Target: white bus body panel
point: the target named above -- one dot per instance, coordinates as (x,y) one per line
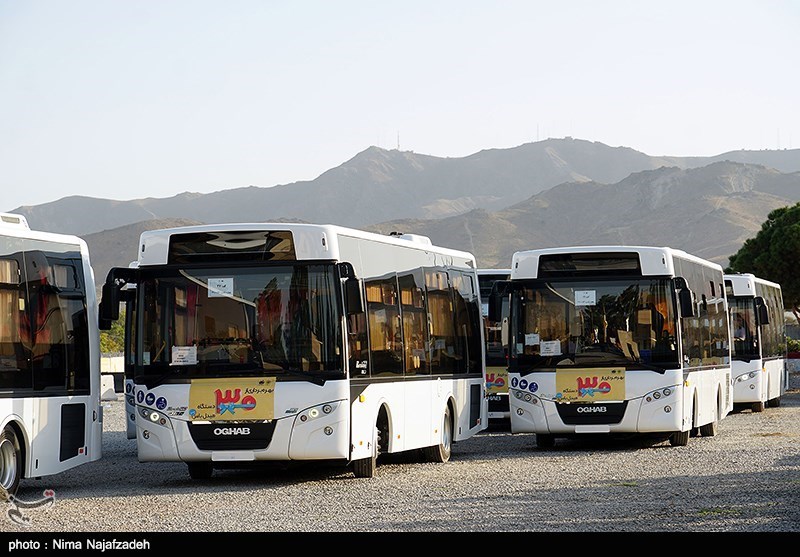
(292,439)
(537,412)
(39,418)
(540,413)
(532,402)
(325,436)
(772,380)
(769,382)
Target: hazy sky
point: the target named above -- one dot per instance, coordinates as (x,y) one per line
(150,98)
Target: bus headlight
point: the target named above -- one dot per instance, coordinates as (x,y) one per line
(317,411)
(154,417)
(656,395)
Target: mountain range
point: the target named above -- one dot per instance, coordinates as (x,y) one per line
(555,192)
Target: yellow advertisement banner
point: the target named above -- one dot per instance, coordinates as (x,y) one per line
(496,380)
(218,400)
(590,385)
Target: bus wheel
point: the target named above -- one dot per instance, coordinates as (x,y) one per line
(365,467)
(710,429)
(200,470)
(774,403)
(10,461)
(441,452)
(545,440)
(757,406)
(679,439)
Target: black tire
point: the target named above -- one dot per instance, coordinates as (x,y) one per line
(441,452)
(679,439)
(774,403)
(366,467)
(757,406)
(200,470)
(545,440)
(710,429)
(10,461)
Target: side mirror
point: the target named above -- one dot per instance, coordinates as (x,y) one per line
(686,298)
(761,311)
(109,305)
(353,298)
(499,291)
(108,309)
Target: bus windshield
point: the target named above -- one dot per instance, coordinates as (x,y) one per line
(743,328)
(597,323)
(239,321)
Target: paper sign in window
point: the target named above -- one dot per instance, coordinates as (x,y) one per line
(550,348)
(184,355)
(219,287)
(585,297)
(531,339)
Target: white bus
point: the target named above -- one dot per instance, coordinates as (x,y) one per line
(760,376)
(496,357)
(284,342)
(617,340)
(50,413)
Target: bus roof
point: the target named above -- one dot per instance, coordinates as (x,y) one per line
(744,284)
(16,226)
(311,241)
(483,272)
(653,260)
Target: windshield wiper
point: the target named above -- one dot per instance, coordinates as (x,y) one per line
(605,358)
(149,381)
(314,377)
(657,369)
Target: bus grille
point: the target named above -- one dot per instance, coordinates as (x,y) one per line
(592,414)
(232,436)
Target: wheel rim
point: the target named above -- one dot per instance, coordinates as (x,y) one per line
(8,463)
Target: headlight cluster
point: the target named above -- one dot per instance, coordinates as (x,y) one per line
(154,417)
(747,376)
(659,394)
(525,396)
(317,411)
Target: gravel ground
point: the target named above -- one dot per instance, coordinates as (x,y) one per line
(746,479)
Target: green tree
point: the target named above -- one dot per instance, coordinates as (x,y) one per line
(113,340)
(773,253)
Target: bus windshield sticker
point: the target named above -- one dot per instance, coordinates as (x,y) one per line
(590,385)
(232,399)
(184,355)
(550,348)
(585,297)
(531,339)
(220,286)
